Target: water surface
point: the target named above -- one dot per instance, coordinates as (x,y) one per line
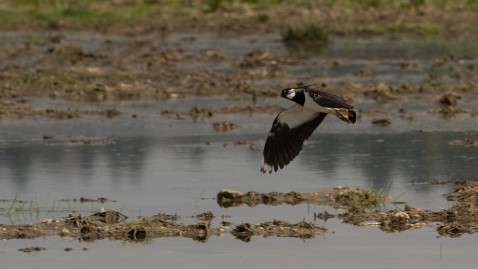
(153,164)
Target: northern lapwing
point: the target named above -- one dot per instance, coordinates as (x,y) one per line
(294,125)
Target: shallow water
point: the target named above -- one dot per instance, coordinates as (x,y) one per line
(162,165)
(155,164)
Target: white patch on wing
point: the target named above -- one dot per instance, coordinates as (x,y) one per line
(296,116)
(265,167)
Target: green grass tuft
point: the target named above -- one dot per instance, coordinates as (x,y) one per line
(306,34)
(361,198)
(213,5)
(147,221)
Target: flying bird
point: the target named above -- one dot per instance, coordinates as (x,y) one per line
(294,125)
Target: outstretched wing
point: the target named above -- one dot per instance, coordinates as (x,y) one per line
(329,100)
(287,135)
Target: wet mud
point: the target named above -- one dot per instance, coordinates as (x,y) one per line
(131,62)
(449,105)
(106,225)
(361,209)
(381,122)
(17,109)
(339,198)
(302,230)
(204,113)
(452,222)
(113,69)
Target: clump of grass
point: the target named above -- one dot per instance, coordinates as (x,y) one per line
(147,221)
(360,197)
(369,197)
(371,3)
(49,80)
(410,116)
(213,5)
(263,17)
(306,34)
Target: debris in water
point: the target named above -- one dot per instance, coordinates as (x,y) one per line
(381,122)
(224,126)
(31,249)
(466,142)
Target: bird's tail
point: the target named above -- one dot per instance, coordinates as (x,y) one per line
(347,115)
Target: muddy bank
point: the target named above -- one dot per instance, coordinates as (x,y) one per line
(106,225)
(302,230)
(17,109)
(452,222)
(113,225)
(339,198)
(60,65)
(363,210)
(360,210)
(203,113)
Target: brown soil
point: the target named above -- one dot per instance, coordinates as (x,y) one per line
(203,113)
(452,222)
(17,110)
(340,197)
(139,68)
(303,230)
(362,209)
(104,226)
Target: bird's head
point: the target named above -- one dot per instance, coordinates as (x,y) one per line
(288,93)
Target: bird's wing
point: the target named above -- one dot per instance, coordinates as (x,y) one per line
(287,135)
(329,100)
